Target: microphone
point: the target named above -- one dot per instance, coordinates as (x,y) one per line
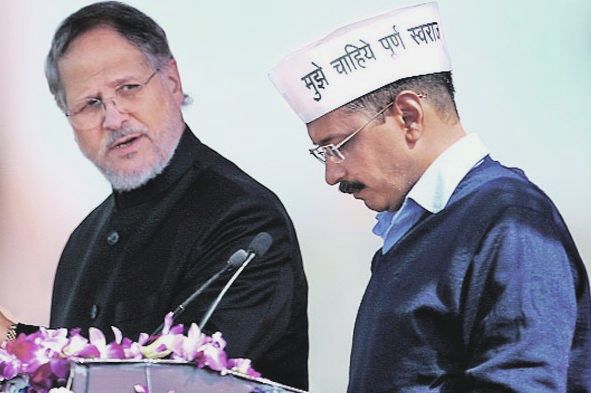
(260,244)
(233,262)
(257,248)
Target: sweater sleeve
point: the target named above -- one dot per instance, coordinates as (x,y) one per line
(520,307)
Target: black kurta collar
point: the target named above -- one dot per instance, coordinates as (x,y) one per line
(180,163)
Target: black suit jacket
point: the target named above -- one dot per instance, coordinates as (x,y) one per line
(141,253)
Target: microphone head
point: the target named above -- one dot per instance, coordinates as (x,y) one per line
(260,244)
(237,258)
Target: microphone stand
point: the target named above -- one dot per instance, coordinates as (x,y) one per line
(217,300)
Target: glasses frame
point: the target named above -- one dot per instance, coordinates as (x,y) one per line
(139,87)
(333,151)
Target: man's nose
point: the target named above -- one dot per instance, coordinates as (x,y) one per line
(334,172)
(114,117)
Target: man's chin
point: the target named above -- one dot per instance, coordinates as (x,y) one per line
(371,203)
(130,176)
(128,182)
(374,207)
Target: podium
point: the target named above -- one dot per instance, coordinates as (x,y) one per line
(163,376)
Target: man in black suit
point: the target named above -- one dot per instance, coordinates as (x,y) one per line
(178,209)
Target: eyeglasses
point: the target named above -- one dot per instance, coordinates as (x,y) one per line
(333,151)
(90,112)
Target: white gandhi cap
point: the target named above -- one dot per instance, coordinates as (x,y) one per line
(360,58)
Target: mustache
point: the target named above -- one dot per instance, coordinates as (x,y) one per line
(114,135)
(349,187)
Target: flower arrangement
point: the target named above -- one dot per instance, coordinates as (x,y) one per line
(40,362)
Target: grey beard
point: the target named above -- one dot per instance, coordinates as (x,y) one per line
(131,181)
(136,179)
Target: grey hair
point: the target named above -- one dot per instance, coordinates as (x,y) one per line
(436,88)
(135,26)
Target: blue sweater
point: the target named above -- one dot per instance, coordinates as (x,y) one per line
(488,295)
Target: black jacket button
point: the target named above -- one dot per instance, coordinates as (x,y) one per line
(94,311)
(113,238)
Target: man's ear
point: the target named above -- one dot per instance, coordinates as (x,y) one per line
(410,110)
(173,80)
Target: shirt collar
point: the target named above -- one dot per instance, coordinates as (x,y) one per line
(433,190)
(437,184)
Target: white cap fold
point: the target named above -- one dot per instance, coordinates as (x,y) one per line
(360,58)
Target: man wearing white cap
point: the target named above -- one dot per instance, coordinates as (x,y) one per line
(478,285)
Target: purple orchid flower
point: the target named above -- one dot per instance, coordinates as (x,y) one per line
(42,359)
(243,366)
(9,365)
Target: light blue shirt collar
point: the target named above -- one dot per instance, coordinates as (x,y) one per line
(440,180)
(433,190)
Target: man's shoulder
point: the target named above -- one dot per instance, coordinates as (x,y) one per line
(218,178)
(92,222)
(492,185)
(99,213)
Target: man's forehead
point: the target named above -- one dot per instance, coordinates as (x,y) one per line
(100,51)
